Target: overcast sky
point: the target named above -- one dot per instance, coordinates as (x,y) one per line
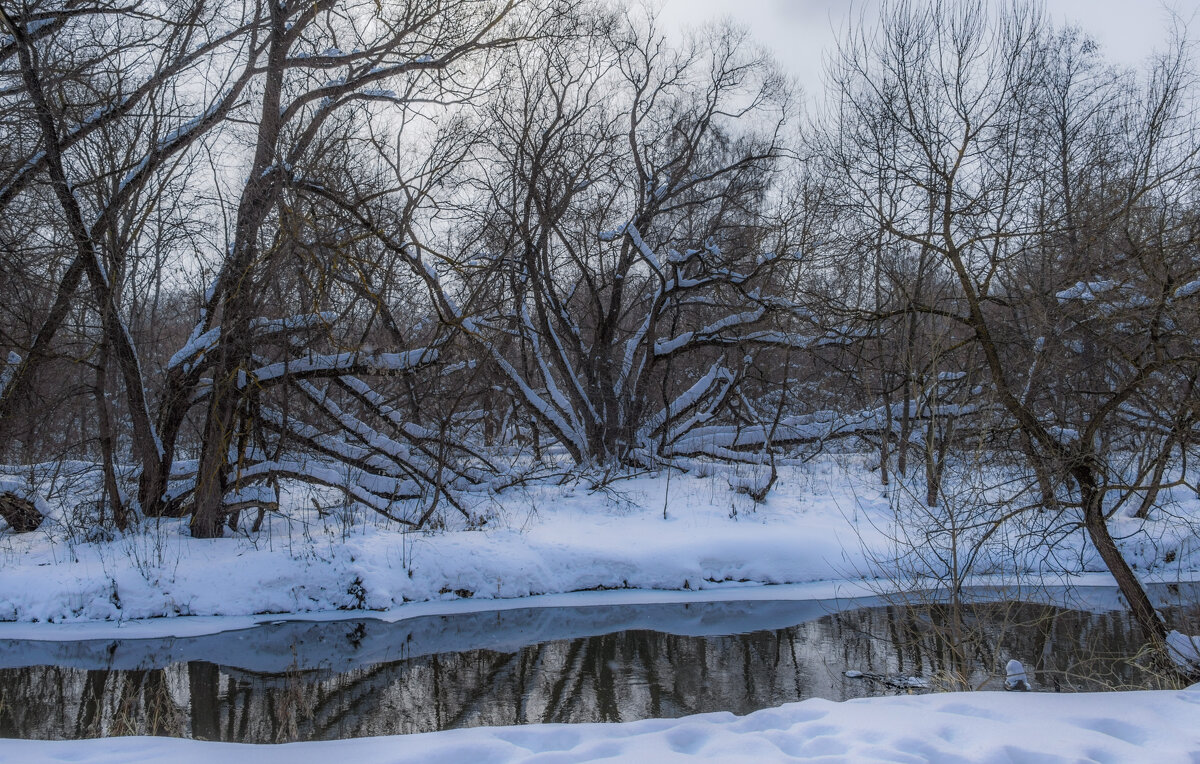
(799,32)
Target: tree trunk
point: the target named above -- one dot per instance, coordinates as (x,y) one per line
(204,680)
(1160,468)
(905,426)
(22,376)
(107,439)
(885,437)
(1131,588)
(236,299)
(88,255)
(208,517)
(932,473)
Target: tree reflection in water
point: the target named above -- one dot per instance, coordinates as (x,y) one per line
(621,676)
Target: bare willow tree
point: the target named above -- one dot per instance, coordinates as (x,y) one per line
(620,270)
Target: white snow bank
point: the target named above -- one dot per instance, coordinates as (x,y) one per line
(22,490)
(1184,650)
(824,522)
(950,727)
(548,539)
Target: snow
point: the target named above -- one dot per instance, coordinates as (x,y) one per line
(666,347)
(1086,290)
(547,543)
(1015,677)
(198,343)
(7,370)
(825,524)
(1188,289)
(337,363)
(640,244)
(33,26)
(947,727)
(23,490)
(1184,650)
(531,397)
(818,541)
(202,342)
(256,493)
(686,400)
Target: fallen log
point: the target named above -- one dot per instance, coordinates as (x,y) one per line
(20,513)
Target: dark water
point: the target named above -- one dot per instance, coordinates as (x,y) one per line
(318,681)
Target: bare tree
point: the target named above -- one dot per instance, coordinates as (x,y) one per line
(963,97)
(303,84)
(99,150)
(620,271)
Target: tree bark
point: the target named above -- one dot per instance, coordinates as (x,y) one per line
(107,439)
(236,299)
(1131,588)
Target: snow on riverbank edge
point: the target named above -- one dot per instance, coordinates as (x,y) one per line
(823,533)
(1088,591)
(947,727)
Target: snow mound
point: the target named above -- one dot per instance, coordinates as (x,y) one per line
(22,490)
(1016,678)
(1184,651)
(959,727)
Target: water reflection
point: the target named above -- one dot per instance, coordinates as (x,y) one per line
(348,679)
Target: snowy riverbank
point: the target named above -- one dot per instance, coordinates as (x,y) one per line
(947,727)
(824,533)
(824,523)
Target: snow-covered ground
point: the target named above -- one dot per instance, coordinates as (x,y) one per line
(825,522)
(826,531)
(1155,726)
